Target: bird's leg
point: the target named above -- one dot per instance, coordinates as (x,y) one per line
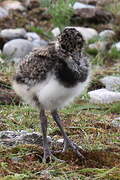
(43,120)
(67,141)
(48,156)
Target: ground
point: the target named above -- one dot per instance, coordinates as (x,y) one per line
(89,125)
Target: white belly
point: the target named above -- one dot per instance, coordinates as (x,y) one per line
(51,93)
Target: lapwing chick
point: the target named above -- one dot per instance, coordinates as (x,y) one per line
(50,78)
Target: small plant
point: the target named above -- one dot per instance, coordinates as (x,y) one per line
(92,51)
(113,7)
(41,31)
(98,60)
(114,53)
(45,3)
(61,12)
(115,108)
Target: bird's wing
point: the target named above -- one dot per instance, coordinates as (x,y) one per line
(34,67)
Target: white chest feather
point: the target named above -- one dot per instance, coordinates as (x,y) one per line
(51,94)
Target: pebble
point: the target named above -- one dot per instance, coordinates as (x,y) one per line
(12,138)
(116,122)
(112,83)
(107,34)
(13,33)
(36,40)
(31,138)
(61,141)
(78,5)
(12,5)
(32,36)
(39,43)
(99,46)
(17,48)
(103,96)
(3,13)
(55,32)
(117,46)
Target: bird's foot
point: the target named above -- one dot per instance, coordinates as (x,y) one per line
(49,157)
(77,149)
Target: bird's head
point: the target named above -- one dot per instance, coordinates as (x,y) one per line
(70,40)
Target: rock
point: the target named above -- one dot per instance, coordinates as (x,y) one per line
(103,96)
(92,2)
(86,16)
(36,40)
(30,4)
(12,5)
(17,48)
(31,138)
(7,138)
(87,33)
(117,46)
(96,2)
(3,13)
(107,34)
(39,43)
(78,5)
(60,141)
(99,46)
(13,138)
(13,33)
(116,122)
(32,36)
(55,32)
(112,83)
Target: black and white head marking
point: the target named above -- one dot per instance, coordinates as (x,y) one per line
(70,40)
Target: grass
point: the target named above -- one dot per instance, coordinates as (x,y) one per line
(114,7)
(45,3)
(89,125)
(114,53)
(61,12)
(42,32)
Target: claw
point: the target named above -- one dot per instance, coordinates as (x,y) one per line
(49,157)
(74,147)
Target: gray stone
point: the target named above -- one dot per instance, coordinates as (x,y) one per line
(60,141)
(117,46)
(103,96)
(12,5)
(13,138)
(99,45)
(116,122)
(87,16)
(31,36)
(31,138)
(3,13)
(17,48)
(111,83)
(97,2)
(56,31)
(78,5)
(87,33)
(39,43)
(36,40)
(13,33)
(8,138)
(107,34)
